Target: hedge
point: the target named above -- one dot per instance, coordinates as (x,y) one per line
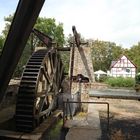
(120,82)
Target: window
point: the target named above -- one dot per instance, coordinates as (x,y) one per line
(127,70)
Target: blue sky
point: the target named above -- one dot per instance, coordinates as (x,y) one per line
(109,20)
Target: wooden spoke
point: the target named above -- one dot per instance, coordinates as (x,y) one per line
(40,84)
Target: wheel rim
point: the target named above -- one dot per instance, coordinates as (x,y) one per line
(40,84)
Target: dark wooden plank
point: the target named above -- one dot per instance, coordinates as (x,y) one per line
(37,134)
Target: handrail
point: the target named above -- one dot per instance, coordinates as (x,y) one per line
(65,113)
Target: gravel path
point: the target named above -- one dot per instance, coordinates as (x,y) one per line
(124,119)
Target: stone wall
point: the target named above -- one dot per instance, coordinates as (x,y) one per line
(83,62)
(10,94)
(83,65)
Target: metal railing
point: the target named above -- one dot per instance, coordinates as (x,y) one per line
(67,107)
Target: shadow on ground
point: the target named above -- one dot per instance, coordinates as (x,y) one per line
(120,129)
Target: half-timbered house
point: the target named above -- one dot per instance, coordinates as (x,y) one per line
(123,67)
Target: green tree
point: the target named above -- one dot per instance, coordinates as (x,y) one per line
(8,21)
(1,43)
(103,53)
(134,55)
(47,26)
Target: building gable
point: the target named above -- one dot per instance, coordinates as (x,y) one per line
(123,67)
(123,62)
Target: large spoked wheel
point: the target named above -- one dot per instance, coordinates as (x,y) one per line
(39,87)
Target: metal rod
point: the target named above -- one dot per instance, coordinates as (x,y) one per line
(63,113)
(92,103)
(108,116)
(66,114)
(71,117)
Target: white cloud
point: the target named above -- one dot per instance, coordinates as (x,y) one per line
(6,8)
(111,20)
(116,20)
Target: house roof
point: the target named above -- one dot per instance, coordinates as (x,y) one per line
(114,62)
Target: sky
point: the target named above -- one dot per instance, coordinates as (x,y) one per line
(108,20)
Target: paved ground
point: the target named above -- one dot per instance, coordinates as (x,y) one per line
(124,116)
(124,119)
(85,127)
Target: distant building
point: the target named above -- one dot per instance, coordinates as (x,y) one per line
(123,67)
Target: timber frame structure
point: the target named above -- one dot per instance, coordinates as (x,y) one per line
(43,75)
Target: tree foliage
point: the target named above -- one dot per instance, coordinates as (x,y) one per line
(8,21)
(103,53)
(47,26)
(134,54)
(1,43)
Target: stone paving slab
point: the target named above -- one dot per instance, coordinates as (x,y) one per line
(83,133)
(87,128)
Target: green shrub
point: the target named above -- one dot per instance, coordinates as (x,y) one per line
(137,78)
(102,78)
(120,81)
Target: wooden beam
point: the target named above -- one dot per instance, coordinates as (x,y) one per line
(21,27)
(64,49)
